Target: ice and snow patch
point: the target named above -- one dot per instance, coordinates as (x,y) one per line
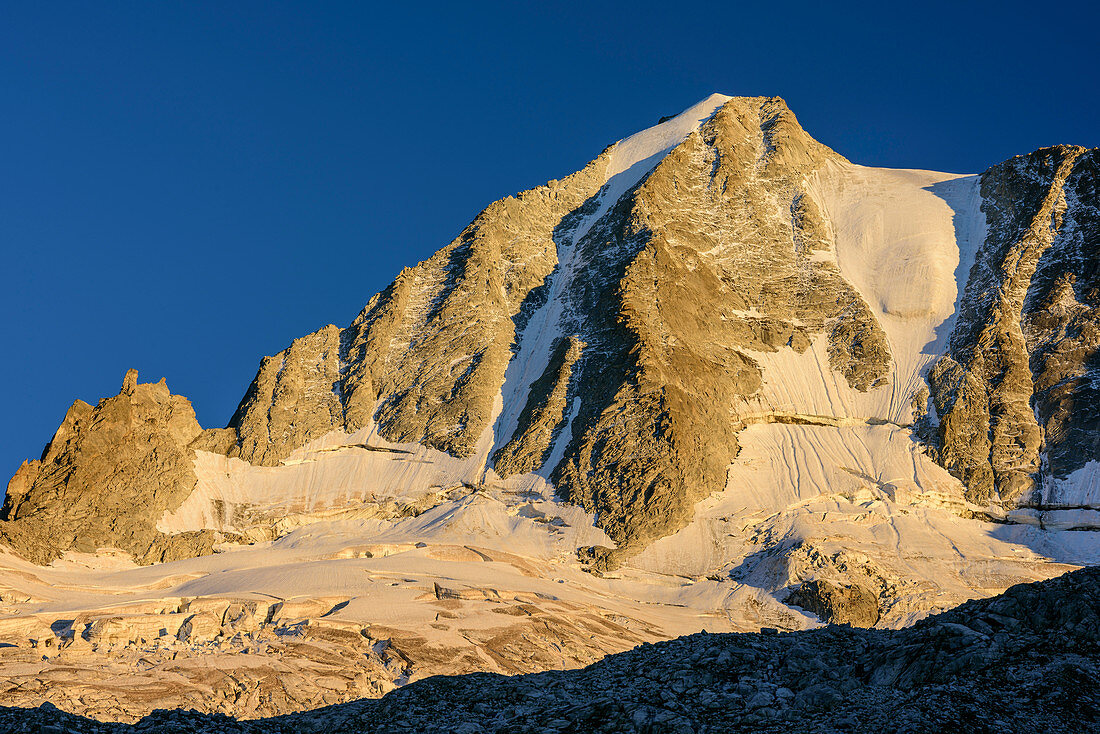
(1082,487)
(904,239)
(632,158)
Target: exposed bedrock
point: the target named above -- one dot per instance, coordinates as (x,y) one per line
(626,317)
(709,259)
(293,400)
(837,603)
(105,479)
(1015,395)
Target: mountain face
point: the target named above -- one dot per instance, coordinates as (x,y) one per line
(1016,390)
(719,376)
(607,312)
(620,314)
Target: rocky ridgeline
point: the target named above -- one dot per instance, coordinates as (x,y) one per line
(1016,392)
(627,331)
(1025,661)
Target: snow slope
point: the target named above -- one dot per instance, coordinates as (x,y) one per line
(903,238)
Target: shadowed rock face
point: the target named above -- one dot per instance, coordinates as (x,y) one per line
(1019,381)
(105,479)
(837,603)
(1062,326)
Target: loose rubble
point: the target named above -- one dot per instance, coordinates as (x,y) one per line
(1025,661)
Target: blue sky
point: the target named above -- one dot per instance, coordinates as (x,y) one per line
(185,187)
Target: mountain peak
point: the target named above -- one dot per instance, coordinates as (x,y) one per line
(719,375)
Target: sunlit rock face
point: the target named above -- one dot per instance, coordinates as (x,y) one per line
(720,378)
(1016,392)
(634,299)
(106,478)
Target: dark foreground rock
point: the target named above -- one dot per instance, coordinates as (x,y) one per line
(1025,661)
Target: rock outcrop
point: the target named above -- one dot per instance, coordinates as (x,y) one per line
(293,399)
(105,479)
(837,603)
(1014,393)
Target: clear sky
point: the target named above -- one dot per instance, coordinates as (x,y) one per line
(186,187)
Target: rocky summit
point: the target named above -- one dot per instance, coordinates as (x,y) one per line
(721,378)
